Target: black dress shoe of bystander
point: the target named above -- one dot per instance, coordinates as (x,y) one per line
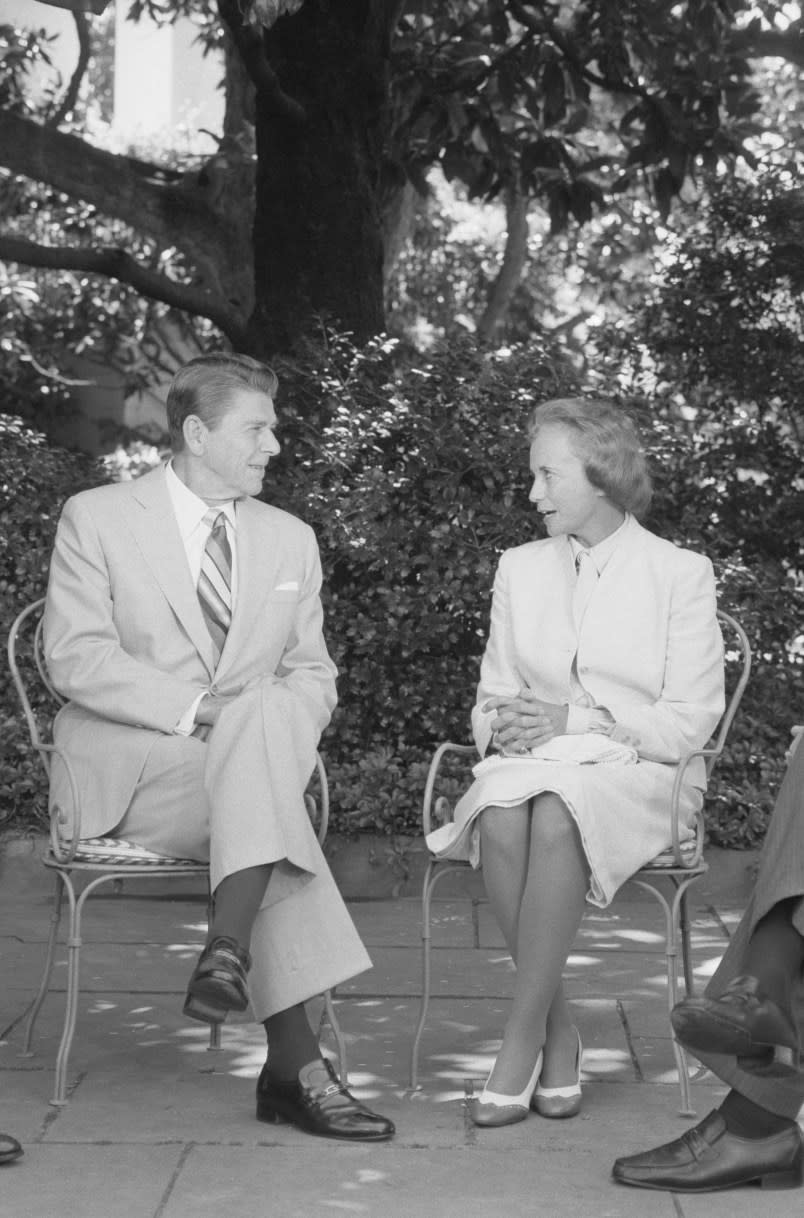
(709,1157)
(10,1148)
(740,1021)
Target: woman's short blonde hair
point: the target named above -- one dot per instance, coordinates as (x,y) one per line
(607,441)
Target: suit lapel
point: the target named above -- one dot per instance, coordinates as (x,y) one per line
(156,532)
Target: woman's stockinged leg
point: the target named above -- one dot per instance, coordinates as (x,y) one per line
(504,851)
(550,913)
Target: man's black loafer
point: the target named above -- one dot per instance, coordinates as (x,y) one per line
(319,1104)
(219,983)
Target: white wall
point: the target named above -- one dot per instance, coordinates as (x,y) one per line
(162,79)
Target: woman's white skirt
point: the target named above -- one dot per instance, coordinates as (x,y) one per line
(622,811)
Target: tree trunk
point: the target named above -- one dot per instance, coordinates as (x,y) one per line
(318,248)
(513,263)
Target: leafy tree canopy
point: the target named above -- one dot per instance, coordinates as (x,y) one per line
(332,108)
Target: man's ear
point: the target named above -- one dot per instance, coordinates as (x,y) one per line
(195,434)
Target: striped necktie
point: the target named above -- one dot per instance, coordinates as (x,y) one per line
(215,580)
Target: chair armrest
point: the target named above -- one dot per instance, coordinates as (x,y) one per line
(432,774)
(675,798)
(65,827)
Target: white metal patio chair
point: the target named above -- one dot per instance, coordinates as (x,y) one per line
(100,860)
(676,869)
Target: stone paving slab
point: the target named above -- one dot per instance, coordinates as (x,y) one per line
(398,923)
(396,1183)
(119,919)
(158,1127)
(106,1182)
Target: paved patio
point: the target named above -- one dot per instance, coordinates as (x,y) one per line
(159,1127)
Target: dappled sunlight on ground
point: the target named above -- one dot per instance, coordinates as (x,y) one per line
(426,1093)
(351,1203)
(600,1063)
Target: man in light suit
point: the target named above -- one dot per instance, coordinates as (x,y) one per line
(184,624)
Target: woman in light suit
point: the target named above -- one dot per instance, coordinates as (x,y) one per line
(603,667)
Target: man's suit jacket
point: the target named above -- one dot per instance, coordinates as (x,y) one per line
(126,643)
(649,647)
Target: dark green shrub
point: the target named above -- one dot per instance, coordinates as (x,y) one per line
(717,352)
(415,477)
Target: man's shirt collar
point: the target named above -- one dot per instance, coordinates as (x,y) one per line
(190,509)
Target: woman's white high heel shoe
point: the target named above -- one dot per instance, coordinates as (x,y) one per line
(560,1102)
(491,1108)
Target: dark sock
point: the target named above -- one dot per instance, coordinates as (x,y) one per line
(291,1043)
(747,1120)
(238,897)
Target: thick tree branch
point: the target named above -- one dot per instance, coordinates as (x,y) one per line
(250,47)
(114,184)
(84,52)
(117,264)
(171,212)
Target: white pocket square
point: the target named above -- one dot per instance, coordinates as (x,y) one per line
(290,586)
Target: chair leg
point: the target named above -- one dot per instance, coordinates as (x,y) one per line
(674,937)
(671,955)
(73,985)
(434,872)
(679,927)
(427,888)
(44,985)
(686,952)
(332,1019)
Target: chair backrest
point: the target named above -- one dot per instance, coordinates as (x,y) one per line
(26,662)
(738,649)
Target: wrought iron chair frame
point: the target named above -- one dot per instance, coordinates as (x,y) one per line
(681,866)
(64,858)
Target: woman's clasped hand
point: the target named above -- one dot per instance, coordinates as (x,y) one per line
(524,721)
